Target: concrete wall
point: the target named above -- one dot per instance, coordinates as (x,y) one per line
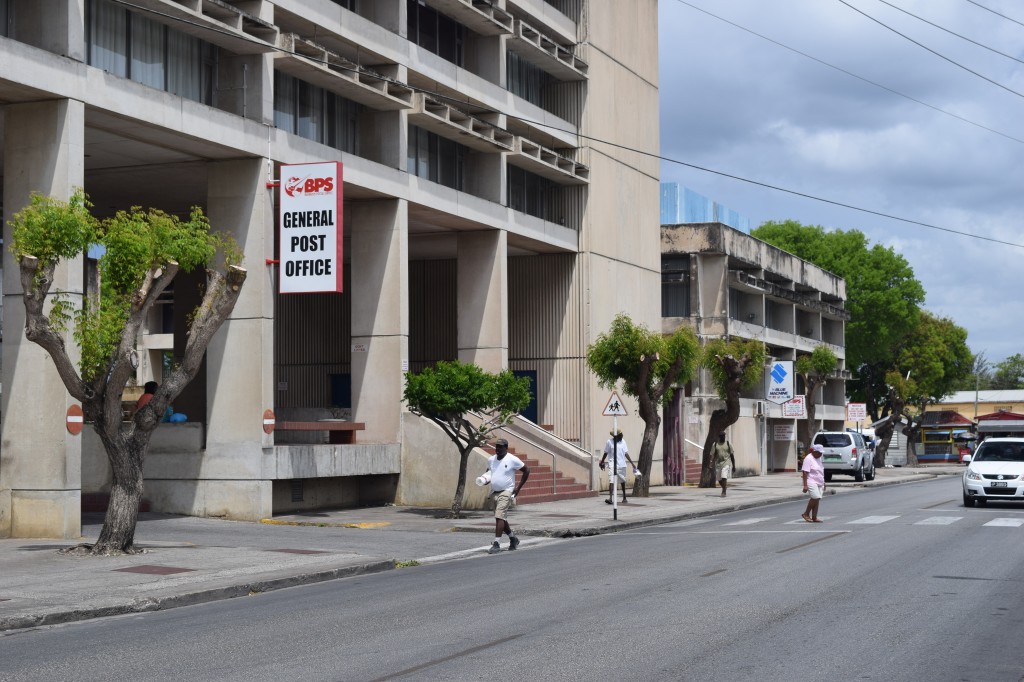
(430,468)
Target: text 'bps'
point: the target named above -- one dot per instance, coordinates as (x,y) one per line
(308,186)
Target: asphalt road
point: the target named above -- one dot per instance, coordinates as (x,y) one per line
(899,583)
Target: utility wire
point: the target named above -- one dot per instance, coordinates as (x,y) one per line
(937,54)
(942,28)
(989,9)
(850,73)
(541,124)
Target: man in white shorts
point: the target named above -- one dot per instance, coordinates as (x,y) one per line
(813,472)
(617,450)
(502,467)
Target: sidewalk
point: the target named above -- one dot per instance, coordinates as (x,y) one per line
(195,560)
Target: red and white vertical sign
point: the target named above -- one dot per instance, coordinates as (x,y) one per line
(310,228)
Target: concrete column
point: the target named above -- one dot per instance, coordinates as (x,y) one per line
(245,86)
(40,462)
(240,359)
(379,251)
(483,299)
(57,26)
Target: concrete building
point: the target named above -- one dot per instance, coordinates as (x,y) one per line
(484,220)
(721,282)
(973,404)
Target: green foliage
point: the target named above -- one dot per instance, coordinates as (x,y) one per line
(618,354)
(451,389)
(1009,374)
(737,348)
(135,242)
(822,362)
(882,293)
(932,360)
(51,229)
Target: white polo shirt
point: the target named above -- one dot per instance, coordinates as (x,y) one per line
(503,472)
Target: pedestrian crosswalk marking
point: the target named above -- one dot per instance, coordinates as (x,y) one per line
(938,521)
(1006,523)
(868,520)
(802,522)
(749,522)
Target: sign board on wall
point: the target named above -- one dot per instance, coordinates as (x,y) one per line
(784,432)
(310,228)
(795,408)
(856,412)
(780,382)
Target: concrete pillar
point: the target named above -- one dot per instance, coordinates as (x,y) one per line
(245,86)
(40,462)
(379,251)
(483,299)
(57,26)
(240,359)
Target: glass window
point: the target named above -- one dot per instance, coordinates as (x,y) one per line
(528,192)
(436,158)
(185,66)
(108,30)
(435,32)
(4,25)
(311,110)
(285,102)
(675,286)
(147,51)
(304,109)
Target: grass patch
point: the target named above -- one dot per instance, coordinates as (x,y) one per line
(406,564)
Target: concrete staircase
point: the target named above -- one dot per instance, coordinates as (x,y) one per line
(544,485)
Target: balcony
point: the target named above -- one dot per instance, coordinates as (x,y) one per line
(316,64)
(479,16)
(216,22)
(548,163)
(450,123)
(545,53)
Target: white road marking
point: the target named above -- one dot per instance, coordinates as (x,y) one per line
(871,520)
(749,522)
(938,521)
(1006,523)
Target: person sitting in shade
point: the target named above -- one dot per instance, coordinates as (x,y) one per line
(147,394)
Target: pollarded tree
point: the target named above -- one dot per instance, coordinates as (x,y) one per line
(814,370)
(447,392)
(649,365)
(144,250)
(735,365)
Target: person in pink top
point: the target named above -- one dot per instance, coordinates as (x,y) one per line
(814,483)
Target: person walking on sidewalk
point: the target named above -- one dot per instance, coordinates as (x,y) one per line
(725,461)
(618,450)
(502,468)
(813,472)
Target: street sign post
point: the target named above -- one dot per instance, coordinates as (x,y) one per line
(614,409)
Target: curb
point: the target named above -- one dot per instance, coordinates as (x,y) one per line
(192,598)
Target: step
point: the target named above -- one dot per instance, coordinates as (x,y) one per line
(536,499)
(544,489)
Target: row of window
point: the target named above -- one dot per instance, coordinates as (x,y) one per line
(316,114)
(133,46)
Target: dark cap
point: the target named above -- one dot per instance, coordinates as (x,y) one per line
(501,441)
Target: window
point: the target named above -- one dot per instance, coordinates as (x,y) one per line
(675,286)
(436,32)
(435,158)
(5,29)
(529,193)
(316,114)
(347,4)
(133,46)
(525,79)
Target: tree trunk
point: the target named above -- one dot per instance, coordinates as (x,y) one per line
(911,433)
(642,485)
(460,486)
(883,434)
(126,457)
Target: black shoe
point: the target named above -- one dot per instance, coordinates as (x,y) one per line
(607,501)
(495,548)
(513,542)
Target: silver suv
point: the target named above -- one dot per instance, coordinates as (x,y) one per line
(846,452)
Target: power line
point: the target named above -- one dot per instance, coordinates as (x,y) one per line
(942,28)
(937,54)
(850,73)
(441,96)
(989,9)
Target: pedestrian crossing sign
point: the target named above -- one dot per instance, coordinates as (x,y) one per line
(614,408)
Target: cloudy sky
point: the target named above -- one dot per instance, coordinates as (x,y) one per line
(736,103)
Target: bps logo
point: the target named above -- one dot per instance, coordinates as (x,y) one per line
(308,186)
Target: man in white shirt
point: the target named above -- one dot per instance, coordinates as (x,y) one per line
(617,448)
(502,467)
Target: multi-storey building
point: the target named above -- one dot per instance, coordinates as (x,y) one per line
(722,283)
(485,219)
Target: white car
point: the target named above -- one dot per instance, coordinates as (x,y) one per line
(996,472)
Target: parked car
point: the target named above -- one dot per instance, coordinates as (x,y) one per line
(995,472)
(846,452)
